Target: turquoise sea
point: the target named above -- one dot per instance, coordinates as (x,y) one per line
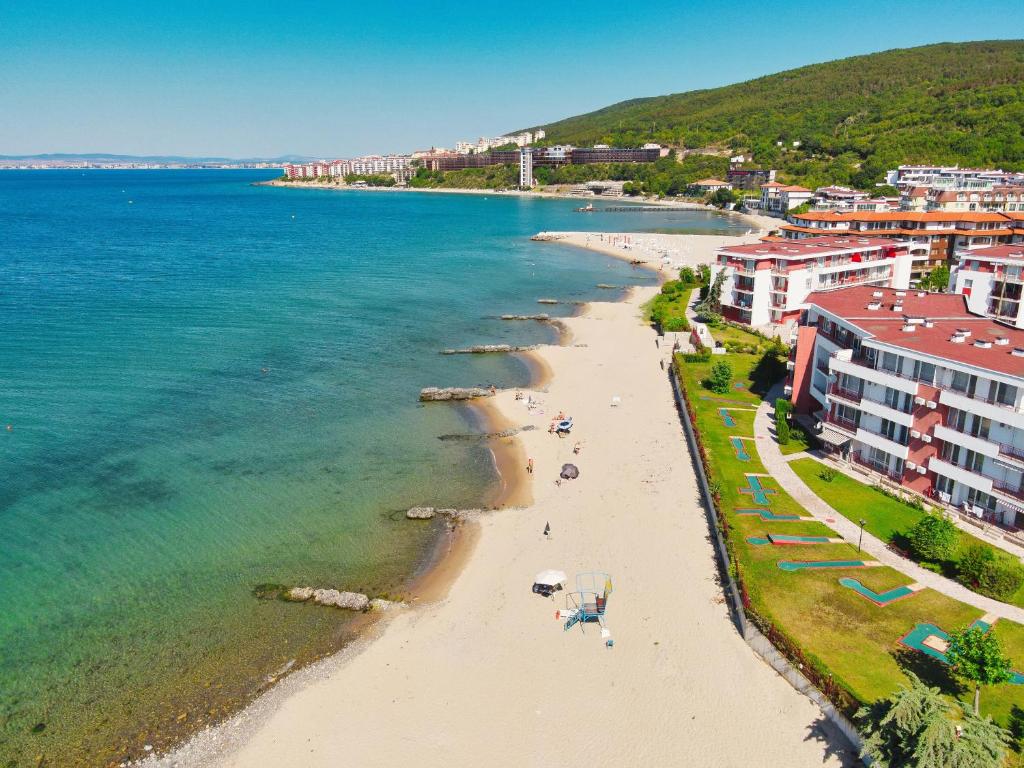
(207,385)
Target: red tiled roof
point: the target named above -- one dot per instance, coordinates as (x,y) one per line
(710,183)
(795,189)
(947,313)
(772,184)
(811,246)
(995,252)
(972,216)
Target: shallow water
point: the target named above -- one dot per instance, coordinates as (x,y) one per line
(212,385)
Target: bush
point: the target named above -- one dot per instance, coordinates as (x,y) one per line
(720,380)
(983,571)
(710,319)
(697,357)
(827,474)
(933,537)
(676,323)
(782,410)
(687,276)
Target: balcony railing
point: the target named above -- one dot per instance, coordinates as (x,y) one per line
(841,392)
(841,423)
(1013,489)
(836,284)
(1011,451)
(865,460)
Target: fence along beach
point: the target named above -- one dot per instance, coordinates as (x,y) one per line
(485,668)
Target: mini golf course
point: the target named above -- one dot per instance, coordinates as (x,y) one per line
(728,420)
(739,449)
(807,565)
(768,515)
(932,641)
(880,599)
(782,539)
(757,492)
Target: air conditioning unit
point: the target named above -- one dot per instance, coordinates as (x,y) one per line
(790,365)
(922,471)
(918,401)
(926,438)
(911,465)
(932,404)
(915,434)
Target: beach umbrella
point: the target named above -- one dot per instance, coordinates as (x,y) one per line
(551,578)
(570,471)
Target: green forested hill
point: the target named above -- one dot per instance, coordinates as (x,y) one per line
(856,117)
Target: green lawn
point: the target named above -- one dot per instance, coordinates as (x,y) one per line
(888,519)
(799,441)
(836,629)
(731,334)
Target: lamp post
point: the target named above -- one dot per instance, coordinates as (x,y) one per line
(861,539)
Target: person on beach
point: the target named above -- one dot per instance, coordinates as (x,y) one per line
(529,465)
(576,448)
(494,390)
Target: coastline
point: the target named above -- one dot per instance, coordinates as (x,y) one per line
(756,220)
(279,727)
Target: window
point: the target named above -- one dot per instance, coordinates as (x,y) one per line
(847,413)
(980,499)
(898,401)
(964,382)
(890,362)
(924,372)
(893,431)
(1005,394)
(944,484)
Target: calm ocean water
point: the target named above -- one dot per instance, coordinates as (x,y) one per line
(211,385)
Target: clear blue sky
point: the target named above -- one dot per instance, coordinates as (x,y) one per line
(264,78)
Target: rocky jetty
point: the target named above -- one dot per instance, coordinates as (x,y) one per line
(547,237)
(547,301)
(483,349)
(541,318)
(606,286)
(352,601)
(427,513)
(432,394)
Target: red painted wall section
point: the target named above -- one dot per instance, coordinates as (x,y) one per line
(804,362)
(925,419)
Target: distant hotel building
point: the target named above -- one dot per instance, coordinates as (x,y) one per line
(748,178)
(778,199)
(916,389)
(768,283)
(550,156)
(933,236)
(398,166)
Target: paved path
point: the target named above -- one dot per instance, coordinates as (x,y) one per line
(777,466)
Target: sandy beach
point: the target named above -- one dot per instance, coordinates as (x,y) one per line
(483,672)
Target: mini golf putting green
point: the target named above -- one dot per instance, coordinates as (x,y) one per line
(883,598)
(932,641)
(806,565)
(778,538)
(767,514)
(728,420)
(739,449)
(757,492)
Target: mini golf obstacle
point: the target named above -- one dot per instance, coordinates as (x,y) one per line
(769,516)
(728,420)
(739,449)
(881,599)
(784,540)
(810,565)
(757,492)
(932,641)
(588,603)
(725,400)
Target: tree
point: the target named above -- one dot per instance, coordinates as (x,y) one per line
(937,279)
(782,409)
(915,727)
(977,656)
(720,380)
(705,273)
(687,276)
(933,537)
(713,299)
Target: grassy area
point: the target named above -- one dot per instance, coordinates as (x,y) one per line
(836,633)
(799,441)
(730,334)
(667,310)
(888,518)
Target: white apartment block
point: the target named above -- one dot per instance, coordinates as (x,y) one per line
(768,283)
(991,281)
(914,387)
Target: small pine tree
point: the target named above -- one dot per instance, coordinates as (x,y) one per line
(720,379)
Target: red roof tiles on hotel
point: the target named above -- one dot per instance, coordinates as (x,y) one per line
(947,314)
(810,246)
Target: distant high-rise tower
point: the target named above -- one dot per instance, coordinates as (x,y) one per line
(526,168)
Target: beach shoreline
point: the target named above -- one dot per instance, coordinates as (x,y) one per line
(422,642)
(756,220)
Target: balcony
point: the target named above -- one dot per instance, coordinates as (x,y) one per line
(864,459)
(1004,488)
(1004,414)
(962,475)
(974,443)
(837,392)
(845,426)
(858,367)
(1012,453)
(835,285)
(885,411)
(882,442)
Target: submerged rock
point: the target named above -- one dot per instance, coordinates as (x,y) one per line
(433,394)
(483,349)
(352,601)
(420,513)
(379,604)
(542,318)
(299,594)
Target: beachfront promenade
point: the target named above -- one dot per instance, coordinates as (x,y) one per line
(487,673)
(778,467)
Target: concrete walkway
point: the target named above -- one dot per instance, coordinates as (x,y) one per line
(777,466)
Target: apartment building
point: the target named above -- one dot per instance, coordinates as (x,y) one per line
(916,388)
(933,236)
(778,199)
(991,281)
(950,176)
(768,283)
